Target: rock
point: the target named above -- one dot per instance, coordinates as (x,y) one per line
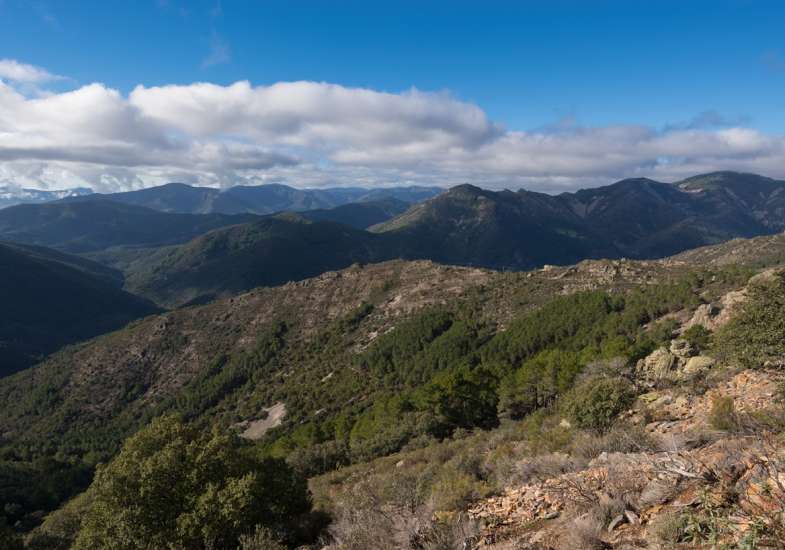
(682,349)
(704,315)
(697,364)
(730,304)
(656,366)
(649,397)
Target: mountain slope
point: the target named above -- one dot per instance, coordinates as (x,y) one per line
(353,363)
(637,218)
(271,251)
(89,225)
(469,225)
(360,215)
(50,299)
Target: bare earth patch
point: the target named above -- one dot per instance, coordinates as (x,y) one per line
(257,428)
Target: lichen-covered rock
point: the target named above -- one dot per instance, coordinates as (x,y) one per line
(682,349)
(696,365)
(657,366)
(704,315)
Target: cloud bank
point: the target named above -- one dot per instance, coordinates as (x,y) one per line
(318,134)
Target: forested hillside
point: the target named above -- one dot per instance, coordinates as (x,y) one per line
(350,366)
(50,299)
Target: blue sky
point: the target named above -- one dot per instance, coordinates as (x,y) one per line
(537,66)
(526,63)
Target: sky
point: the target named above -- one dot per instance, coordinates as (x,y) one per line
(547,95)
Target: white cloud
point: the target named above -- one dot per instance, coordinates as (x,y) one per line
(23,73)
(312,134)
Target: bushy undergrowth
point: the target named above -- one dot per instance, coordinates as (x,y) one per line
(755,337)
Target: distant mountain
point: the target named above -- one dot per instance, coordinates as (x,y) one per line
(360,215)
(258,199)
(271,251)
(89,225)
(11,195)
(469,225)
(635,218)
(50,299)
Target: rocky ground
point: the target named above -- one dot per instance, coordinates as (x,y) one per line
(716,475)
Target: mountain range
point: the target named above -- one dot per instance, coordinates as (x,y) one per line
(467,225)
(11,195)
(258,199)
(175,259)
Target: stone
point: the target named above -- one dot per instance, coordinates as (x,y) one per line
(657,365)
(649,397)
(682,348)
(697,364)
(704,315)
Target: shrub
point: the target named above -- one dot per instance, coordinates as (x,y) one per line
(261,539)
(756,335)
(697,336)
(723,414)
(667,528)
(596,402)
(455,489)
(622,438)
(172,486)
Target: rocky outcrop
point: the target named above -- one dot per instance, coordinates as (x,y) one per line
(677,363)
(731,484)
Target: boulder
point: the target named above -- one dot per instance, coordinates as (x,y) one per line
(656,366)
(696,365)
(682,349)
(704,315)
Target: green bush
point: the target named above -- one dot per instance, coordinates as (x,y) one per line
(595,402)
(756,335)
(173,487)
(698,336)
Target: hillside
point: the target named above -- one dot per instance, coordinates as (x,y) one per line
(271,251)
(637,218)
(368,361)
(256,199)
(82,226)
(51,299)
(360,215)
(469,225)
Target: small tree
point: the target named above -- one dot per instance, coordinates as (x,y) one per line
(173,487)
(594,403)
